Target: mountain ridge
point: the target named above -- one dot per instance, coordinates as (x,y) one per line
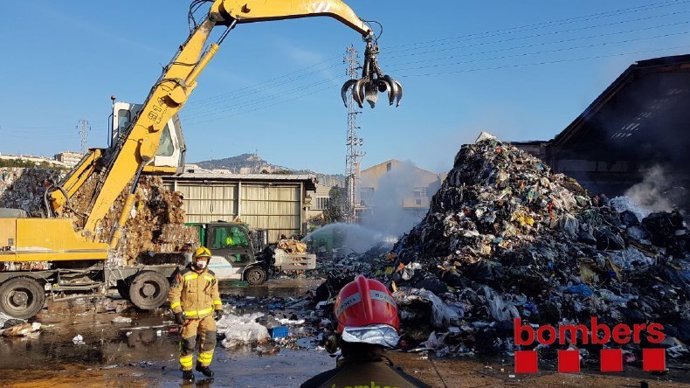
(249,163)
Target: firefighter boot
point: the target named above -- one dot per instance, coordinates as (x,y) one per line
(206,371)
(187,376)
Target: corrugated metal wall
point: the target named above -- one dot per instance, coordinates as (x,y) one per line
(208,202)
(272,207)
(275,207)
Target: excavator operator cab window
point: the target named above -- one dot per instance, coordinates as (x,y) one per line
(124,113)
(166,146)
(124,117)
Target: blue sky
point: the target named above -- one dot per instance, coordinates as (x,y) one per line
(522,70)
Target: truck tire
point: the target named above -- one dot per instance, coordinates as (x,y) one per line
(255,276)
(149,290)
(21,297)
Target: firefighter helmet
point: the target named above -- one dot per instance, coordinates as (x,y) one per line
(202,252)
(367,312)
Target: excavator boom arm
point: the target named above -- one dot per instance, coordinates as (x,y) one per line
(172,90)
(250,11)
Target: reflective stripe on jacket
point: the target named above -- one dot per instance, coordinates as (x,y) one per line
(195,293)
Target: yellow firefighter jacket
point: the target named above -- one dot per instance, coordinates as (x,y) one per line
(195,293)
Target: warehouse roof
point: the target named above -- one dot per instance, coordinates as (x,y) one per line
(643,114)
(308,180)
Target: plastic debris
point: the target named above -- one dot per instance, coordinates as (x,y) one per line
(78,340)
(242,330)
(22,329)
(120,319)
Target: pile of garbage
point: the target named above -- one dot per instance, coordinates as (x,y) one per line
(505,237)
(23,188)
(12,327)
(156,223)
(338,271)
(258,322)
(155,226)
(291,245)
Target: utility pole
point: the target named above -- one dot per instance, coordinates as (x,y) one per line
(84,127)
(353,142)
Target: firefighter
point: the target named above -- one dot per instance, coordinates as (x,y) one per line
(367,324)
(195,301)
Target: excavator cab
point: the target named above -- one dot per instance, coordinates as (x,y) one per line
(171,150)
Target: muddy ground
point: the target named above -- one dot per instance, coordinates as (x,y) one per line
(143,353)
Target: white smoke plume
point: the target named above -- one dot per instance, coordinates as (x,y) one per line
(655,192)
(388,215)
(349,237)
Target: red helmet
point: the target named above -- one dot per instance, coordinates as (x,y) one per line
(365,302)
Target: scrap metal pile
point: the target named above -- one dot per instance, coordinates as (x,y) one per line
(505,237)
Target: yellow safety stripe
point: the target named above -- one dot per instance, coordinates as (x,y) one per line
(175,304)
(190,276)
(198,313)
(208,277)
(186,361)
(218,302)
(205,358)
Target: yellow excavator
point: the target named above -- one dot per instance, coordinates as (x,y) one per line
(70,253)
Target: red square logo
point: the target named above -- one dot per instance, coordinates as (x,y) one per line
(568,361)
(526,361)
(653,359)
(611,360)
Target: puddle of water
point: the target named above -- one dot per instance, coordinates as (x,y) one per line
(146,350)
(272,288)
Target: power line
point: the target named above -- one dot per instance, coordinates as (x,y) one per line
(303,88)
(602,44)
(299,92)
(295,94)
(198,109)
(516,65)
(279,95)
(276,78)
(203,110)
(270,83)
(542,25)
(203,105)
(559,32)
(588,37)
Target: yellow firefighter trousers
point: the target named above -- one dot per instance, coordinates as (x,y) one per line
(205,330)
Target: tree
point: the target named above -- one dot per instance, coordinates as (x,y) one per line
(335,209)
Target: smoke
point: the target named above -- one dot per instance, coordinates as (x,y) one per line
(394,189)
(349,237)
(656,192)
